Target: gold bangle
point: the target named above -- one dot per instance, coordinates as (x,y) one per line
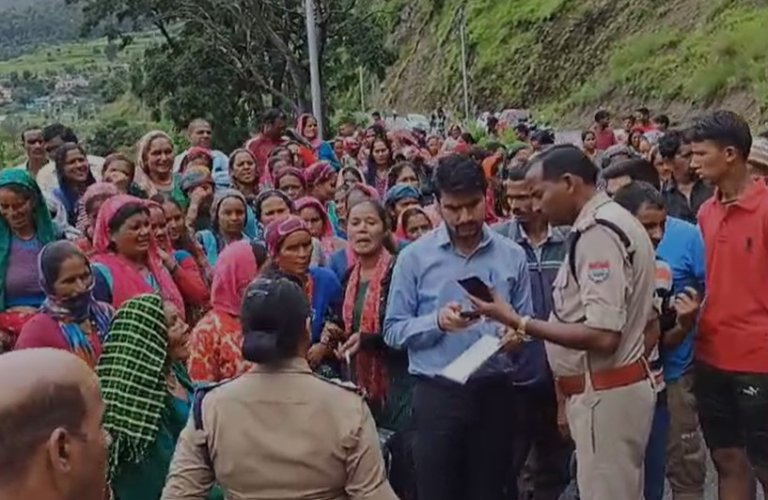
(522,326)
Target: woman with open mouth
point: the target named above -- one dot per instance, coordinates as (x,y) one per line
(127,256)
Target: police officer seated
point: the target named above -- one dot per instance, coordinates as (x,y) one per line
(278,431)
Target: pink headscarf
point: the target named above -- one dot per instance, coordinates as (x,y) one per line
(301,124)
(127,282)
(318,172)
(279,230)
(234,269)
(327,239)
(97,189)
(298,173)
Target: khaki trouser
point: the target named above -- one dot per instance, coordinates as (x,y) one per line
(611,429)
(686,453)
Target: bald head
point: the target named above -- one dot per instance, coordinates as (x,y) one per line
(200,132)
(44,392)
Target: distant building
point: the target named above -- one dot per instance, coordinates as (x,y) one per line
(6,95)
(70,83)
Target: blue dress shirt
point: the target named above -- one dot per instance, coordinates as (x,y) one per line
(425,279)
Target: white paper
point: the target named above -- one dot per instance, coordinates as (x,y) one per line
(461,368)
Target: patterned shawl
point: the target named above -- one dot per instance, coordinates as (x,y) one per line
(370,366)
(132,375)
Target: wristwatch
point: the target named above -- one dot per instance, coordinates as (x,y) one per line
(521,329)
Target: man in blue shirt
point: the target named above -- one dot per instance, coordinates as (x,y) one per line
(199,134)
(545,474)
(680,245)
(463,442)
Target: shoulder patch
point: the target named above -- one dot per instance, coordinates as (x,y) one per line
(348,386)
(598,270)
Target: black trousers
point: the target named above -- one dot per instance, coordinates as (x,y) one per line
(463,438)
(542,456)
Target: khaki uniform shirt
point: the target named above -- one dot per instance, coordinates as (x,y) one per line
(281,434)
(610,292)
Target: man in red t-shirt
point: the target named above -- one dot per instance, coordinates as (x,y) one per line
(269,137)
(604,136)
(731,371)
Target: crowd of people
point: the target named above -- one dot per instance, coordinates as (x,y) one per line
(277,322)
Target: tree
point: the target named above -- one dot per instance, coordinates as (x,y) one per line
(255,51)
(114,135)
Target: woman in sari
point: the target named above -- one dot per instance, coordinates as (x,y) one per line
(126,253)
(228,214)
(147,394)
(70,318)
(320,227)
(271,205)
(341,260)
(351,152)
(215,348)
(155,162)
(197,185)
(289,244)
(90,204)
(244,177)
(321,184)
(25,228)
(306,126)
(380,371)
(183,244)
(349,176)
(380,161)
(187,275)
(399,198)
(74,175)
(414,222)
(291,181)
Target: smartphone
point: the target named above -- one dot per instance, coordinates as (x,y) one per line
(476,288)
(469,314)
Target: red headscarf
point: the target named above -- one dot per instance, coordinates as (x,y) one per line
(234,269)
(127,281)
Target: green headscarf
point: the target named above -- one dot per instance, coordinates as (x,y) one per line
(131,372)
(42,217)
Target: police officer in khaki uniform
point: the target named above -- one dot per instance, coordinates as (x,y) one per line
(603,305)
(278,431)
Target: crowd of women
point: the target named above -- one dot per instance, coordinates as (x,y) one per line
(139,266)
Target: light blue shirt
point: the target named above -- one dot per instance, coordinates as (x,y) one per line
(425,279)
(220,172)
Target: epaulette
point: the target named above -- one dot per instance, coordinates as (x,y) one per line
(348,386)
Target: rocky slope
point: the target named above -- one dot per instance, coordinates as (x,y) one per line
(564,58)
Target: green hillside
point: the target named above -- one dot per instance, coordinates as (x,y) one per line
(566,57)
(75,56)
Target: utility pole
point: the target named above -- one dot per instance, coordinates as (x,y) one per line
(362,91)
(314,66)
(462,34)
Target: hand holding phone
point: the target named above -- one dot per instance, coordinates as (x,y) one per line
(477,288)
(451,318)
